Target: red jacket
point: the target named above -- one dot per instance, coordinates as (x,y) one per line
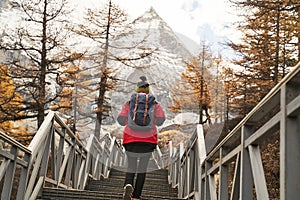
(130,135)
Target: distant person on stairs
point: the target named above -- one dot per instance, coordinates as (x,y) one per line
(140,116)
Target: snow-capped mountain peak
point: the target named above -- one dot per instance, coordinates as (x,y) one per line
(152,19)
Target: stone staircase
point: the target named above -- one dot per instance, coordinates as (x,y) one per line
(156,187)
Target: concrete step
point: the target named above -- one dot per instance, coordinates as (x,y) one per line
(156,187)
(95,186)
(119,181)
(146,191)
(157,172)
(63,194)
(155,184)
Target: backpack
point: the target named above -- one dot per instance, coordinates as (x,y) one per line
(141,113)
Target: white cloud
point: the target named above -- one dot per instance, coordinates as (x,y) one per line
(191,18)
(198,20)
(171,11)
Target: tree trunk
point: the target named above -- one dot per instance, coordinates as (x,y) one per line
(276,67)
(298,27)
(103,81)
(42,89)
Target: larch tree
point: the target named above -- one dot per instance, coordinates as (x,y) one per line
(217,89)
(191,94)
(11,109)
(268,48)
(271,31)
(102,26)
(39,50)
(230,85)
(67,98)
(10,106)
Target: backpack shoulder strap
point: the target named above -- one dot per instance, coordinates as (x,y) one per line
(146,109)
(135,106)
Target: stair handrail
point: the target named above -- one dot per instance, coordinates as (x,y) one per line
(174,157)
(55,158)
(105,153)
(58,158)
(278,111)
(158,158)
(15,158)
(184,163)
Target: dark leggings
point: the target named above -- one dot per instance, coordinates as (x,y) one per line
(137,167)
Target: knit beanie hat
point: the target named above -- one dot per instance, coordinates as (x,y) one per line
(143,85)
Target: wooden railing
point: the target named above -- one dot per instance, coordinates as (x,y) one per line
(57,158)
(185,163)
(237,168)
(54,158)
(14,157)
(158,158)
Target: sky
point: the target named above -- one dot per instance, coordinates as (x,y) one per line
(210,21)
(186,16)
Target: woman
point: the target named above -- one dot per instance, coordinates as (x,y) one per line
(139,140)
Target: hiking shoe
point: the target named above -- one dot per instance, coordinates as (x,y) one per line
(128,189)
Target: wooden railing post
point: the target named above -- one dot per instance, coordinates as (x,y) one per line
(10,171)
(223,176)
(246,180)
(289,145)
